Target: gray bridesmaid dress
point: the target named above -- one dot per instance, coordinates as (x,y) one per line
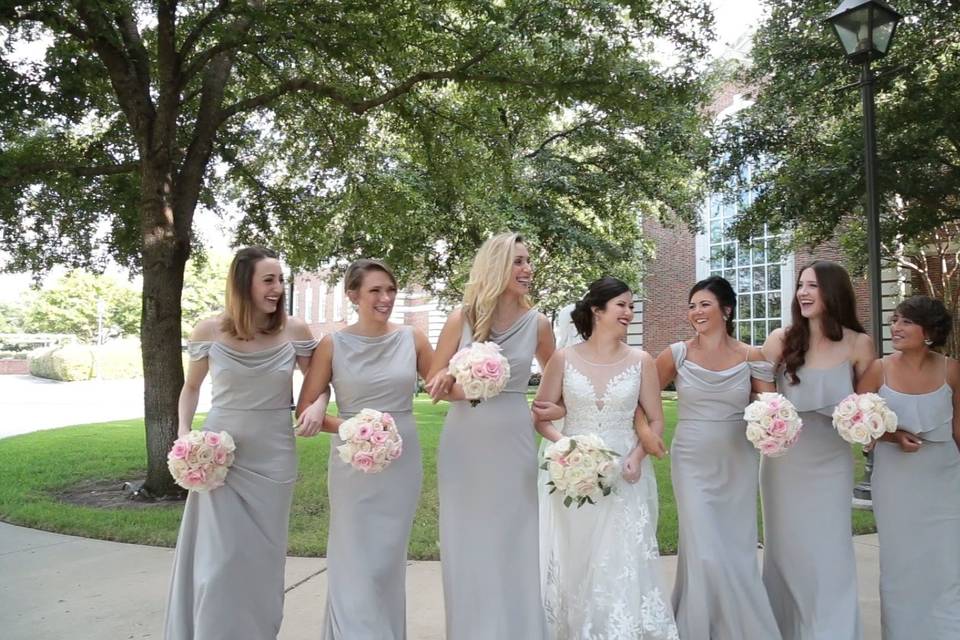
(371,514)
(227,578)
(718,594)
(487,477)
(916,500)
(808,563)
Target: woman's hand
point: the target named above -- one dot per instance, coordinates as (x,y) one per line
(440,385)
(548,411)
(631,465)
(909,443)
(651,443)
(311,420)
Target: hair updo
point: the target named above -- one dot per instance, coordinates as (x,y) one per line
(725,295)
(597,296)
(931,314)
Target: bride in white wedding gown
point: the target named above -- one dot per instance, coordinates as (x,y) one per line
(598,562)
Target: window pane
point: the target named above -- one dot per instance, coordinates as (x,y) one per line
(743,259)
(759,255)
(773,274)
(759,279)
(759,331)
(759,306)
(745,332)
(773,251)
(743,306)
(716,257)
(729,251)
(773,324)
(716,231)
(773,305)
(743,281)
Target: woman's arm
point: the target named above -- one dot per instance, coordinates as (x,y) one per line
(205,331)
(666,368)
(314,396)
(550,390)
(757,385)
(864,355)
(299,331)
(440,384)
(647,420)
(953,379)
(424,353)
(546,343)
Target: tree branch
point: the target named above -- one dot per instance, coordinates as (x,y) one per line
(197,32)
(558,135)
(21,172)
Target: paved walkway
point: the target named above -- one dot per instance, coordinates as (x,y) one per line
(54,586)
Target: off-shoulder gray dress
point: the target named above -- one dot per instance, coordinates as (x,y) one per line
(808,563)
(487,477)
(916,500)
(371,513)
(719,593)
(227,578)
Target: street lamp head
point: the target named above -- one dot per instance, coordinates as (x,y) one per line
(865,28)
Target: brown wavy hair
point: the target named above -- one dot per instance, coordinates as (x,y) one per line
(238,320)
(840,311)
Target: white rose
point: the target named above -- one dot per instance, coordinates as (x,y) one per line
(847,407)
(346,453)
(556,470)
(754,432)
(754,411)
(178,468)
(860,434)
(473,390)
(348,429)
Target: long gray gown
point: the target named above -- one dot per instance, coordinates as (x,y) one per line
(718,594)
(487,477)
(371,514)
(916,500)
(227,578)
(808,563)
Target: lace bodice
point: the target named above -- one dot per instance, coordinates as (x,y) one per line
(600,398)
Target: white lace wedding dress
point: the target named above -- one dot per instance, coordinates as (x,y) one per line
(598,562)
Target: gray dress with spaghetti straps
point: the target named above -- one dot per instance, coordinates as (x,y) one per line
(916,500)
(487,477)
(371,514)
(808,563)
(227,578)
(718,594)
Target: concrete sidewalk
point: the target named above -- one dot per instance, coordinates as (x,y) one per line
(54,586)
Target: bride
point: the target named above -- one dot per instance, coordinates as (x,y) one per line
(599,575)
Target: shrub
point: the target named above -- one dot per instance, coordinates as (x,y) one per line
(68,362)
(119,360)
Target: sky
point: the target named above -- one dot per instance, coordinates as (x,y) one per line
(733,19)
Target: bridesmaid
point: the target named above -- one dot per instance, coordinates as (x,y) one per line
(718,594)
(808,563)
(487,467)
(228,568)
(916,477)
(372,364)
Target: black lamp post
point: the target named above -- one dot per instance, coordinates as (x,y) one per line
(865,29)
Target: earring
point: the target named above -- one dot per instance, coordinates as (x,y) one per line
(928,342)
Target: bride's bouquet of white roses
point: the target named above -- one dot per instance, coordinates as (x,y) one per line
(481,370)
(862,418)
(581,468)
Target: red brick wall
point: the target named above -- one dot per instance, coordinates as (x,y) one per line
(668,279)
(14,367)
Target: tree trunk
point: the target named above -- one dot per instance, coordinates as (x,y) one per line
(164,259)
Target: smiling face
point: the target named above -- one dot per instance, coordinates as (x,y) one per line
(808,294)
(705,313)
(905,334)
(616,315)
(521,271)
(266,287)
(375,296)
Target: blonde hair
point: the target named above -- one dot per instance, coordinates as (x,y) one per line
(239,319)
(489,277)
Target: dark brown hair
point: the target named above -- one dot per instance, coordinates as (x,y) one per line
(723,292)
(840,311)
(597,296)
(931,315)
(238,320)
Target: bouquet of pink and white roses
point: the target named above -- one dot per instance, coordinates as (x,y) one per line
(862,418)
(581,468)
(199,460)
(371,441)
(481,370)
(773,424)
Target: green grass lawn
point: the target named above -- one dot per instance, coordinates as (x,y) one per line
(33,467)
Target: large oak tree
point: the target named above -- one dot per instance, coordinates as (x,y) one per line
(400,129)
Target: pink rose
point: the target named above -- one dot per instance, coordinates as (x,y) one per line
(363,461)
(395,452)
(220,456)
(492,368)
(379,437)
(195,477)
(364,431)
(386,419)
(857,417)
(768,447)
(180,451)
(211,438)
(779,427)
(477,370)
